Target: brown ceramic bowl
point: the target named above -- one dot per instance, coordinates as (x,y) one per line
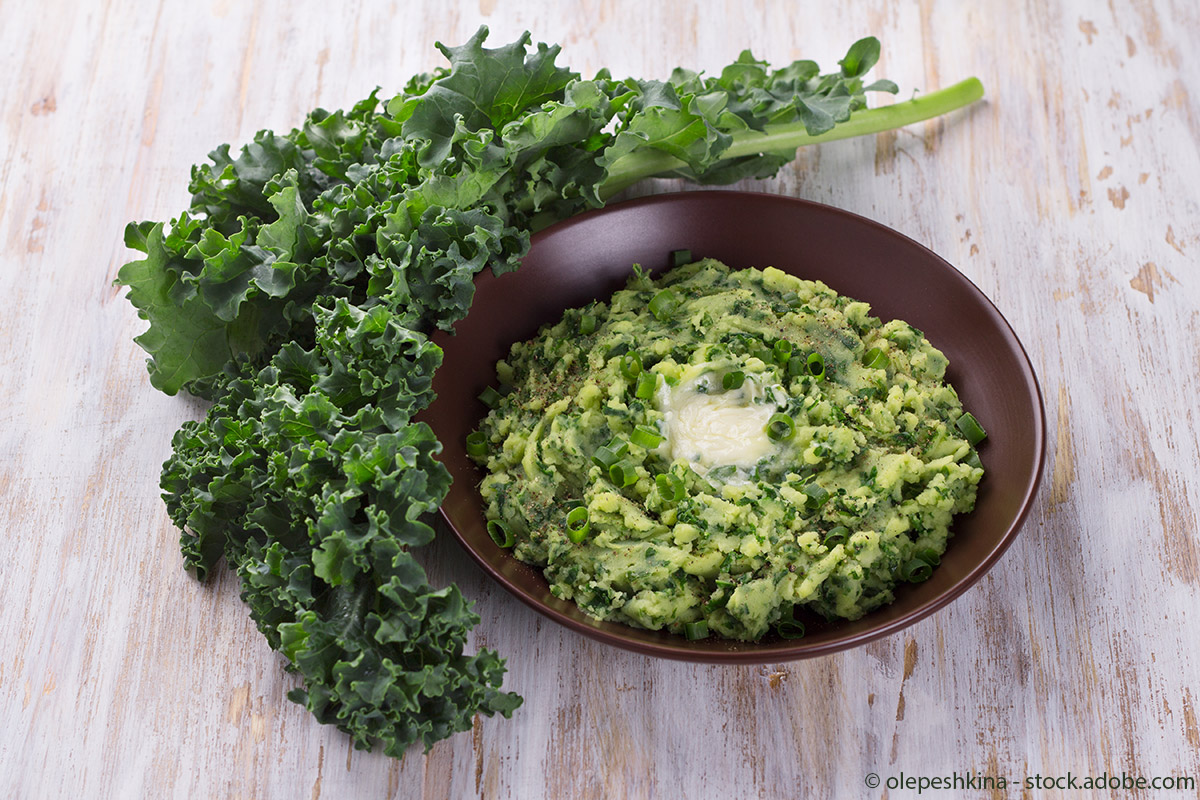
(590,256)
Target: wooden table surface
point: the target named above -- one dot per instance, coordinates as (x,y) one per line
(1071,198)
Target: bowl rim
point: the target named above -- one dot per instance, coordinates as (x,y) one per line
(752,654)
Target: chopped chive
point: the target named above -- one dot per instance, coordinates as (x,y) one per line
(816,365)
(631,365)
(500,533)
(929,556)
(647,382)
(971,429)
(605,457)
(618,446)
(916,571)
(587,324)
(578,524)
(477,444)
(623,473)
(972,459)
(783,351)
(733,380)
(790,629)
(837,535)
(645,436)
(815,496)
(795,366)
(780,427)
(490,397)
(680,257)
(791,298)
(875,359)
(663,304)
(696,630)
(670,487)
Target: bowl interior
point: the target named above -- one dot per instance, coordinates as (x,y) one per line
(590,256)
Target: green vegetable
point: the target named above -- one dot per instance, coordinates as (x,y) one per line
(875,359)
(647,382)
(790,629)
(477,444)
(814,496)
(670,487)
(781,427)
(971,429)
(501,534)
(647,437)
(631,365)
(837,535)
(490,397)
(733,380)
(623,473)
(916,570)
(298,292)
(696,630)
(663,304)
(578,524)
(816,365)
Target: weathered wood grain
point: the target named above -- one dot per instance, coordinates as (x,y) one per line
(1070,198)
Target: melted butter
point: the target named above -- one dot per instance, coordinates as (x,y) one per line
(715,430)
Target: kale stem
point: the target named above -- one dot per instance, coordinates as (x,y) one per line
(647,163)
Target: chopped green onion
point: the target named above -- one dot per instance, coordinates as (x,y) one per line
(916,571)
(587,324)
(733,380)
(663,304)
(795,366)
(972,460)
(500,533)
(696,630)
(780,427)
(631,365)
(618,446)
(645,436)
(875,359)
(837,535)
(578,524)
(490,397)
(670,487)
(815,496)
(783,351)
(791,298)
(605,456)
(647,382)
(790,629)
(929,556)
(477,444)
(623,473)
(680,257)
(971,429)
(816,365)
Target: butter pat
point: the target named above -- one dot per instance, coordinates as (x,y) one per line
(715,430)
